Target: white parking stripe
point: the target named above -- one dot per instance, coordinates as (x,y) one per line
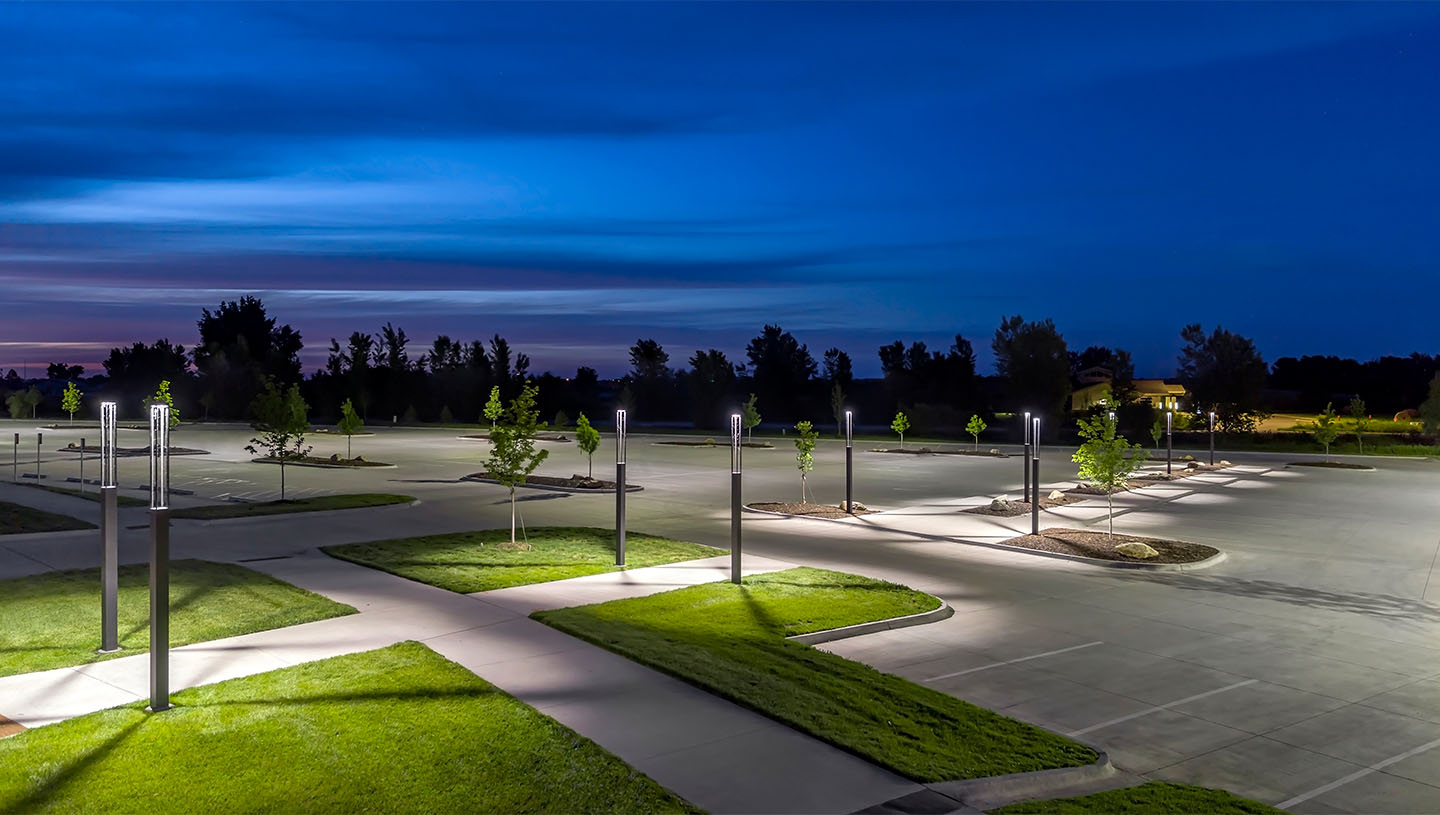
(1340,782)
(1013,661)
(1158,708)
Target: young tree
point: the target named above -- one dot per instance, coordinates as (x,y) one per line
(588,440)
(1106,460)
(1156,431)
(162,397)
(281,423)
(975,428)
(749,416)
(804,452)
(493,408)
(900,425)
(837,407)
(512,446)
(561,420)
(350,424)
(1362,421)
(70,401)
(1324,429)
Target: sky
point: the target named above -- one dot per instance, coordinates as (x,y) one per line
(576,177)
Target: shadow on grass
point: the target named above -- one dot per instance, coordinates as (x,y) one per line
(38,797)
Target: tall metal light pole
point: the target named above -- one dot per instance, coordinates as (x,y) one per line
(39,438)
(620,488)
(850,462)
(1212,438)
(1025,464)
(82,463)
(159,558)
(15,460)
(1169,445)
(1035,482)
(109,532)
(735,498)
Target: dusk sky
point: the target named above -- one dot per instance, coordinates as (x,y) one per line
(577,176)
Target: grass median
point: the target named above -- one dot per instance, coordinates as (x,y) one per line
(1154,798)
(88,495)
(483,560)
(52,620)
(400,729)
(16,519)
(730,640)
(319,503)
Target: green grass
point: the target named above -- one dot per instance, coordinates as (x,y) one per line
(471,561)
(1154,798)
(90,495)
(16,520)
(53,619)
(317,504)
(395,730)
(730,640)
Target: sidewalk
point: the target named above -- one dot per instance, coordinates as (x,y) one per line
(715,754)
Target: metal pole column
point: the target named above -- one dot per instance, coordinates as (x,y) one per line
(1035,468)
(109,533)
(1035,505)
(82,464)
(850,462)
(1212,438)
(15,460)
(620,488)
(735,499)
(1025,463)
(1169,445)
(159,558)
(39,438)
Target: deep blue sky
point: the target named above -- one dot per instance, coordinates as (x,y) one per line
(577,176)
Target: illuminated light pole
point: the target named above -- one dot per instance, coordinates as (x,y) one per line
(39,437)
(735,498)
(1035,481)
(1025,463)
(850,462)
(620,488)
(1169,446)
(1212,438)
(109,532)
(159,558)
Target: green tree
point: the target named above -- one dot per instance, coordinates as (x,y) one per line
(1156,431)
(561,420)
(749,416)
(1106,460)
(162,397)
(804,452)
(21,401)
(837,407)
(350,424)
(70,401)
(1358,412)
(493,408)
(900,425)
(1430,408)
(588,440)
(1034,361)
(512,446)
(975,427)
(281,422)
(1225,373)
(1324,429)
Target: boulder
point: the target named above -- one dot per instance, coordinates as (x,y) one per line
(359,458)
(1192,465)
(1056,495)
(1001,504)
(334,456)
(1224,463)
(1135,549)
(994,452)
(859,507)
(1187,457)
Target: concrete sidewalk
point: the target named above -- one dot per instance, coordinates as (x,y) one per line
(713,753)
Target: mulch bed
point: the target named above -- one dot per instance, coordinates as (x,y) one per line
(538,437)
(1022,507)
(574,482)
(1333,465)
(9,728)
(926,451)
(1088,543)
(809,510)
(763,445)
(325,431)
(1149,479)
(316,461)
(132,451)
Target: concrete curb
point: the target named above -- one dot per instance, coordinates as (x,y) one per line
(1365,468)
(999,790)
(629,488)
(832,634)
(1108,564)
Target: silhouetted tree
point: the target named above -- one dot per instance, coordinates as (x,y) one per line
(240,345)
(781,368)
(1032,358)
(712,384)
(1224,373)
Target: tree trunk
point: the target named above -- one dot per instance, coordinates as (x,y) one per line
(802,488)
(282,479)
(1110,513)
(590,466)
(512,515)
(347,448)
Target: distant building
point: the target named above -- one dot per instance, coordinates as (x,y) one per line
(1157,393)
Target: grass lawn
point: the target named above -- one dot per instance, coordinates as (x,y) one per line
(1154,798)
(730,640)
(400,729)
(89,495)
(16,519)
(53,620)
(317,504)
(471,561)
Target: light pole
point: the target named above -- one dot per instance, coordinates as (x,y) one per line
(735,498)
(82,464)
(1212,438)
(850,462)
(1025,464)
(1035,483)
(159,558)
(109,531)
(620,488)
(15,460)
(39,438)
(1169,445)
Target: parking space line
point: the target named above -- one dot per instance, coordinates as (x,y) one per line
(1340,782)
(1013,661)
(1156,709)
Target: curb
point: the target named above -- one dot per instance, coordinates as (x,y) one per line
(629,488)
(859,629)
(748,508)
(998,790)
(1109,564)
(1319,466)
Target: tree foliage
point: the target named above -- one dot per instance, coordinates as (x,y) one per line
(749,416)
(162,397)
(1106,460)
(587,438)
(70,400)
(1324,429)
(1035,363)
(61,370)
(1360,415)
(900,424)
(281,422)
(975,427)
(1430,408)
(837,407)
(805,437)
(493,406)
(1225,373)
(780,367)
(512,445)
(349,424)
(711,382)
(240,346)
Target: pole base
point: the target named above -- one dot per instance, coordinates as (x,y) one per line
(153,709)
(108,650)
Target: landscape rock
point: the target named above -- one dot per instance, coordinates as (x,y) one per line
(1001,504)
(1056,495)
(359,458)
(1141,551)
(994,451)
(1224,463)
(859,507)
(1192,465)
(334,456)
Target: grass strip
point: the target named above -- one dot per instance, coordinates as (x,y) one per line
(319,503)
(399,729)
(483,560)
(90,495)
(52,620)
(730,640)
(1154,798)
(17,519)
